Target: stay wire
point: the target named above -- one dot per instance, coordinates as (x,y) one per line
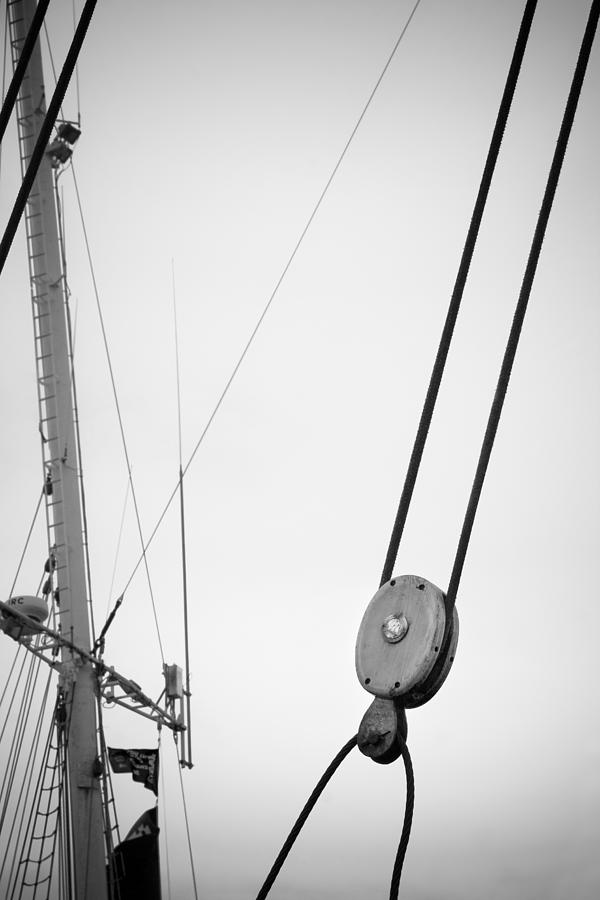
(26,785)
(298,825)
(28,538)
(9,676)
(21,807)
(78,447)
(165,819)
(457,293)
(144,545)
(13,694)
(276,288)
(118,547)
(19,731)
(111,373)
(523,300)
(187,825)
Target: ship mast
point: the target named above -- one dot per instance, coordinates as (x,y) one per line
(60,459)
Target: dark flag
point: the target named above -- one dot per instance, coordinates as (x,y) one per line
(143,765)
(135,870)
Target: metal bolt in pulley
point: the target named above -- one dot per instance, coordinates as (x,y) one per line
(401,658)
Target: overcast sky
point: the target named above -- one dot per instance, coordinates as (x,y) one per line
(209,131)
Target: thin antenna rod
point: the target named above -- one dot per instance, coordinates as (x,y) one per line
(187,760)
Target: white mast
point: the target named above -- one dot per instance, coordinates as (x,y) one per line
(59,448)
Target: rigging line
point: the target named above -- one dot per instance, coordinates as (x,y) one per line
(21,67)
(144,546)
(28,538)
(78,450)
(13,696)
(9,676)
(408,814)
(457,293)
(45,131)
(106,780)
(118,548)
(524,294)
(20,728)
(187,824)
(164,796)
(186,740)
(279,281)
(34,808)
(29,768)
(297,828)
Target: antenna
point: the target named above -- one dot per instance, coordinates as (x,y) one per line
(186,750)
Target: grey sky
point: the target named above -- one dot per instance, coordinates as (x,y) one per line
(209,130)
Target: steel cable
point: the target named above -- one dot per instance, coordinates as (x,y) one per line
(297,828)
(274,292)
(144,544)
(457,294)
(521,308)
(187,826)
(27,539)
(511,349)
(408,814)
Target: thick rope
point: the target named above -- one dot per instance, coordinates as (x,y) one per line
(321,784)
(20,69)
(457,294)
(521,308)
(408,814)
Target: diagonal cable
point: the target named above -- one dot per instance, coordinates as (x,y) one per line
(144,546)
(523,300)
(277,286)
(306,811)
(27,539)
(457,293)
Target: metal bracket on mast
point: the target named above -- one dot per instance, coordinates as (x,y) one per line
(112,686)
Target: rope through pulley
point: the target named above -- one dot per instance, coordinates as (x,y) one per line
(409,614)
(402,672)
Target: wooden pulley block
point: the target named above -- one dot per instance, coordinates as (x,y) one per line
(378,733)
(400,641)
